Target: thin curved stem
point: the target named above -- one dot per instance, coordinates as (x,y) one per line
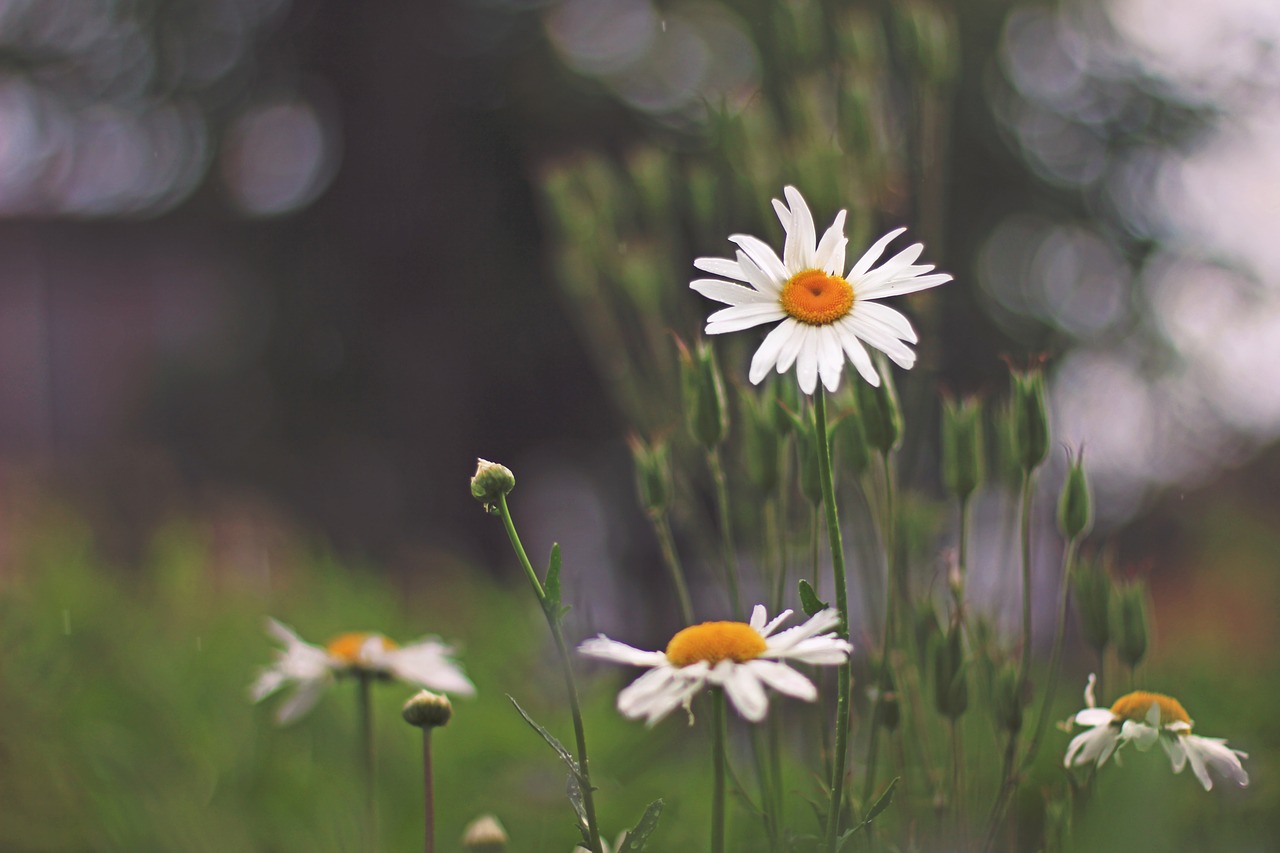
(571,688)
(667,545)
(727,552)
(368,760)
(1055,658)
(842,629)
(717,769)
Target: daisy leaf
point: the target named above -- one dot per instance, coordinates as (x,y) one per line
(551,740)
(552,583)
(648,822)
(809,599)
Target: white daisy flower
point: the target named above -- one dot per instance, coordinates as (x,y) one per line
(1144,718)
(312,668)
(824,317)
(741,657)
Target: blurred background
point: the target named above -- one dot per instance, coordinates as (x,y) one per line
(273,274)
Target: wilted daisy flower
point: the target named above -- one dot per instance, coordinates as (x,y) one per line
(1144,718)
(824,317)
(741,657)
(312,668)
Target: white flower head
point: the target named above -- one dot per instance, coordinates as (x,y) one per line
(1144,718)
(312,668)
(824,317)
(741,657)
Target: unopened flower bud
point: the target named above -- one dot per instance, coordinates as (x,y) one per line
(427,710)
(1009,699)
(1092,588)
(1133,629)
(485,835)
(1074,513)
(1031,418)
(491,482)
(850,441)
(881,414)
(962,456)
(706,412)
(951,689)
(761,440)
(653,474)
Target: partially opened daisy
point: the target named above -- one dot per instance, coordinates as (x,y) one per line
(1144,718)
(741,657)
(825,316)
(311,668)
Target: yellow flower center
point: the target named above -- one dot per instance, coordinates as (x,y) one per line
(715,641)
(1135,706)
(346,647)
(813,297)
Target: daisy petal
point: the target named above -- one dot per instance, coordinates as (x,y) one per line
(302,700)
(767,353)
(798,252)
(757,277)
(730,294)
(762,255)
(738,317)
(792,346)
(872,255)
(901,287)
(784,679)
(830,357)
(605,649)
(807,364)
(882,338)
(721,266)
(743,689)
(829,256)
(893,320)
(858,355)
(758,618)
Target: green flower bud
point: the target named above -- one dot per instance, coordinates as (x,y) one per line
(1092,588)
(761,439)
(1031,418)
(705,410)
(962,456)
(881,414)
(928,633)
(810,469)
(1008,466)
(951,689)
(491,482)
(485,835)
(850,440)
(1074,512)
(653,474)
(427,710)
(1009,699)
(1133,628)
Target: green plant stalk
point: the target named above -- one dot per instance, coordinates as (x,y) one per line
(368,765)
(768,799)
(717,769)
(888,535)
(667,545)
(728,554)
(1010,774)
(553,622)
(1055,658)
(428,795)
(842,629)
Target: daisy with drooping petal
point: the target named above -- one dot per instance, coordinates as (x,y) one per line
(1144,718)
(741,657)
(425,663)
(824,317)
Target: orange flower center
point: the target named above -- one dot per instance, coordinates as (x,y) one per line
(816,298)
(715,641)
(1135,706)
(346,647)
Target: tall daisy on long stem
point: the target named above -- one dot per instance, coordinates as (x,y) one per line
(823,317)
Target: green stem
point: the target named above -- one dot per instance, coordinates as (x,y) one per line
(842,629)
(892,591)
(364,682)
(571,688)
(667,545)
(765,778)
(727,551)
(1055,658)
(717,769)
(429,794)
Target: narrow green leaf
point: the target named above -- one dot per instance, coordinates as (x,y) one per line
(564,754)
(574,792)
(552,583)
(883,803)
(648,822)
(809,599)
